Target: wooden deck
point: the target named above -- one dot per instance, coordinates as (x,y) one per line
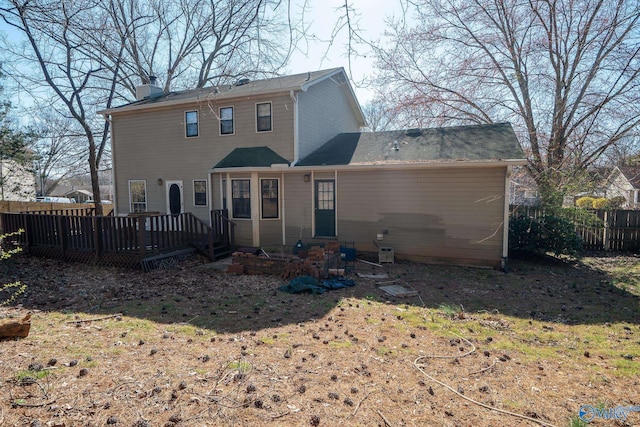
(118,241)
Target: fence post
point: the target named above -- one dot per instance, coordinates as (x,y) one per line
(141,222)
(605,232)
(62,232)
(97,234)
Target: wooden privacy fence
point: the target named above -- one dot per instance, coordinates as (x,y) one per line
(75,209)
(112,240)
(615,230)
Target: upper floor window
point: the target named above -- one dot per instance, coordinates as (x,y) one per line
(191,123)
(200,193)
(269,196)
(226,121)
(137,196)
(263,119)
(241,198)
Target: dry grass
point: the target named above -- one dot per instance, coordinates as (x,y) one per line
(198,347)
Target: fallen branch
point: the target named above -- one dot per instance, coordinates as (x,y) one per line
(275,417)
(95,319)
(355,411)
(419,366)
(386,421)
(30,405)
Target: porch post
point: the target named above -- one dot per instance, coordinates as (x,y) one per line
(255,208)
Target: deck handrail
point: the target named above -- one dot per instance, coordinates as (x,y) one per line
(132,236)
(223,227)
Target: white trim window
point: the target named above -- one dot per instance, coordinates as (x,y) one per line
(200,192)
(269,198)
(241,198)
(264,118)
(137,195)
(191,124)
(226,121)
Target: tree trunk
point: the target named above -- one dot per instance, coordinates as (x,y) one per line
(93,167)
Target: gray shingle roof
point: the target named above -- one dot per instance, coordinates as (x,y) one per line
(632,173)
(251,157)
(470,143)
(264,86)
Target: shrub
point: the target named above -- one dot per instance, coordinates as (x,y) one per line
(601,203)
(585,202)
(549,233)
(9,291)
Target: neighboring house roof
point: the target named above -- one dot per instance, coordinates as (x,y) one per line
(244,88)
(251,157)
(61,191)
(632,174)
(85,192)
(469,143)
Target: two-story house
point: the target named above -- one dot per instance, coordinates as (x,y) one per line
(286,158)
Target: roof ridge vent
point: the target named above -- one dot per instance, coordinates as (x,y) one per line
(413,133)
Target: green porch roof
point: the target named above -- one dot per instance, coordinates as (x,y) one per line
(457,143)
(257,157)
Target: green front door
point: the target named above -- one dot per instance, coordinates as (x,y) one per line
(325,208)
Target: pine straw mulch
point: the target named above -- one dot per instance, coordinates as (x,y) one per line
(199,347)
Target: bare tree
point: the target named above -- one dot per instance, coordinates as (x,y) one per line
(57,35)
(92,54)
(564,72)
(59,152)
(380,115)
(194,43)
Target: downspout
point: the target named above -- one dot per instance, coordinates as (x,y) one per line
(505,227)
(296,139)
(114,182)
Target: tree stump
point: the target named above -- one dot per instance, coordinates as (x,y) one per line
(12,328)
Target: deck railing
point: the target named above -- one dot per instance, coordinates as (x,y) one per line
(116,240)
(223,227)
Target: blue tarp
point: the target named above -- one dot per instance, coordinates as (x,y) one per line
(310,284)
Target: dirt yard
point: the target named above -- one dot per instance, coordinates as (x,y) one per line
(195,346)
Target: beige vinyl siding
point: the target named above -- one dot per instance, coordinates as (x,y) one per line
(271,228)
(151,144)
(216,191)
(429,214)
(324,111)
(271,232)
(297,200)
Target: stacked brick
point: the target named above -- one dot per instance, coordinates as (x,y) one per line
(316,263)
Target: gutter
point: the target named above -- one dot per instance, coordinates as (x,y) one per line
(296,128)
(383,166)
